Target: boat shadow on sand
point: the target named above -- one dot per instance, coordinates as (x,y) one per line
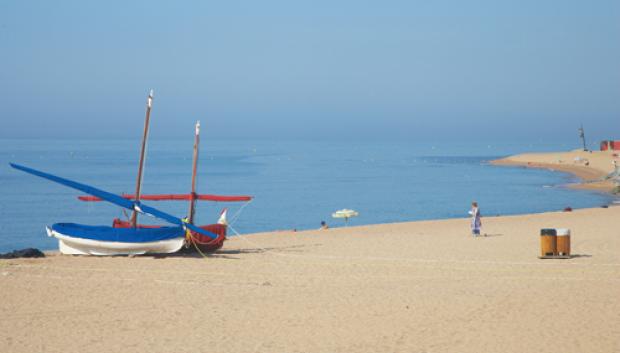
(227,253)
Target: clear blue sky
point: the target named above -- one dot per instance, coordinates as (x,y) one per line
(302,69)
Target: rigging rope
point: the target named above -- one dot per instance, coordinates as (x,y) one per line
(234,218)
(193,241)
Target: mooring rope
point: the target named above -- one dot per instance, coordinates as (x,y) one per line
(193,241)
(235,216)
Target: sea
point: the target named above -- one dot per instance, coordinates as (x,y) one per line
(295,184)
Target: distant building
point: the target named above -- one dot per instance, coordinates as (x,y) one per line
(610,145)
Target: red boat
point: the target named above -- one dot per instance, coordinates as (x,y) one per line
(200,241)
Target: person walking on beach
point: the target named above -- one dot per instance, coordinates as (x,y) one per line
(476,223)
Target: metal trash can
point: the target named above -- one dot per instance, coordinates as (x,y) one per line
(563,241)
(548,242)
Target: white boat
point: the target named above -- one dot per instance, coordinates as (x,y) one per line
(133,239)
(77,239)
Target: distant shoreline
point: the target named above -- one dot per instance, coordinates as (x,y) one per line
(591,167)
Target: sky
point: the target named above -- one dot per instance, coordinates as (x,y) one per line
(403,70)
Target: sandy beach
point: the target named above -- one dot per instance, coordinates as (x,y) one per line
(590,166)
(407,287)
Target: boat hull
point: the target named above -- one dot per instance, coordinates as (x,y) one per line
(202,242)
(75,245)
(207,244)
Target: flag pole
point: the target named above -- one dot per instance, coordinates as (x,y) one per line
(583,137)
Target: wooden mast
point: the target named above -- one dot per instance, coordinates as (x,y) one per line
(149,103)
(192,197)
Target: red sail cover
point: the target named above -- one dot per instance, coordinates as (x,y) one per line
(163,197)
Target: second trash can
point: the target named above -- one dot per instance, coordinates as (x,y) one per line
(563,241)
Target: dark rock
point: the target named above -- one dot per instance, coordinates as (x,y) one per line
(29,252)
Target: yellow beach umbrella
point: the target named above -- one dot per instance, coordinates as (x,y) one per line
(346,214)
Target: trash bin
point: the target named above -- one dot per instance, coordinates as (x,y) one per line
(548,242)
(563,241)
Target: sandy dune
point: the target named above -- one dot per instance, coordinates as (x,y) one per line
(408,287)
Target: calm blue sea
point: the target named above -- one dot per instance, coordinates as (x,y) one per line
(296,184)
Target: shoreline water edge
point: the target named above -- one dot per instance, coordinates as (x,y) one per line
(592,168)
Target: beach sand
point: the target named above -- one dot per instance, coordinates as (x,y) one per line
(599,165)
(407,287)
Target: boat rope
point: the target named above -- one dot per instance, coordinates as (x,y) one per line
(234,231)
(246,239)
(193,241)
(234,218)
